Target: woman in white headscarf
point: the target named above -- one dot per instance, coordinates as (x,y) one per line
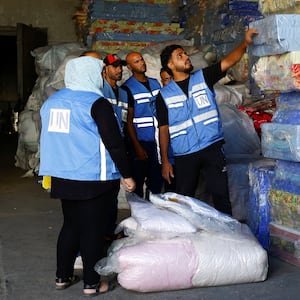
(83,152)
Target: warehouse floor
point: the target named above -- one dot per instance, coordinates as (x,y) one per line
(29,223)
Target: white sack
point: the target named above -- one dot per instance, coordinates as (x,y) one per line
(201,215)
(157,221)
(228,259)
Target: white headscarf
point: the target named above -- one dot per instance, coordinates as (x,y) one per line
(84,74)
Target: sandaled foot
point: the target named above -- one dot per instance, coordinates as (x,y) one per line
(64,283)
(96,289)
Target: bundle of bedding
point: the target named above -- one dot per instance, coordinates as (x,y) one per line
(177,242)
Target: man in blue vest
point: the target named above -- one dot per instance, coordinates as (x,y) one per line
(112,73)
(188,118)
(117,96)
(141,126)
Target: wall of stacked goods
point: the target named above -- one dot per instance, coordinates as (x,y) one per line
(131,24)
(221,22)
(116,25)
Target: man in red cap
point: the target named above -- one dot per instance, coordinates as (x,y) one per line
(112,73)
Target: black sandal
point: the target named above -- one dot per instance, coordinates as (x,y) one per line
(67,282)
(111,285)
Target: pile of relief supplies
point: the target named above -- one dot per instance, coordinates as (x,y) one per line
(177,242)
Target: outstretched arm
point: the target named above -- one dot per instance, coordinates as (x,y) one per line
(235,55)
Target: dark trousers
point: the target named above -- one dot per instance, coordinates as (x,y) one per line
(85,224)
(147,171)
(211,161)
(113,214)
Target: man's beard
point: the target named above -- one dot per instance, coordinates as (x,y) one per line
(189,70)
(186,70)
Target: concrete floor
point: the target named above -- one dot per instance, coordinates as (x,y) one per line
(29,224)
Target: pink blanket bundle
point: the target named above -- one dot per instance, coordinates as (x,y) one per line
(158,265)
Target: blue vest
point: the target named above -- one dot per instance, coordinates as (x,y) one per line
(144,107)
(70,144)
(194,122)
(120,105)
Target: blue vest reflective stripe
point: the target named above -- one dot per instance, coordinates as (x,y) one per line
(120,105)
(194,121)
(144,107)
(69,129)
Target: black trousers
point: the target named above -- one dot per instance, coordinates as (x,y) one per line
(148,171)
(84,226)
(113,215)
(211,161)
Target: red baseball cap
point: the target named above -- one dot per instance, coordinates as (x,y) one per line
(114,59)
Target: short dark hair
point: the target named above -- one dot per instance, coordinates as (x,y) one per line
(166,69)
(167,53)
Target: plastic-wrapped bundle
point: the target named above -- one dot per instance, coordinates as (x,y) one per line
(116,46)
(240,71)
(211,21)
(287,176)
(278,72)
(271,6)
(48,58)
(286,185)
(238,183)
(138,11)
(201,215)
(227,94)
(226,259)
(132,37)
(202,258)
(288,170)
(104,25)
(28,142)
(229,35)
(261,174)
(158,221)
(243,5)
(287,109)
(241,139)
(288,101)
(152,265)
(280,141)
(285,208)
(285,243)
(171,214)
(287,117)
(277,34)
(240,16)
